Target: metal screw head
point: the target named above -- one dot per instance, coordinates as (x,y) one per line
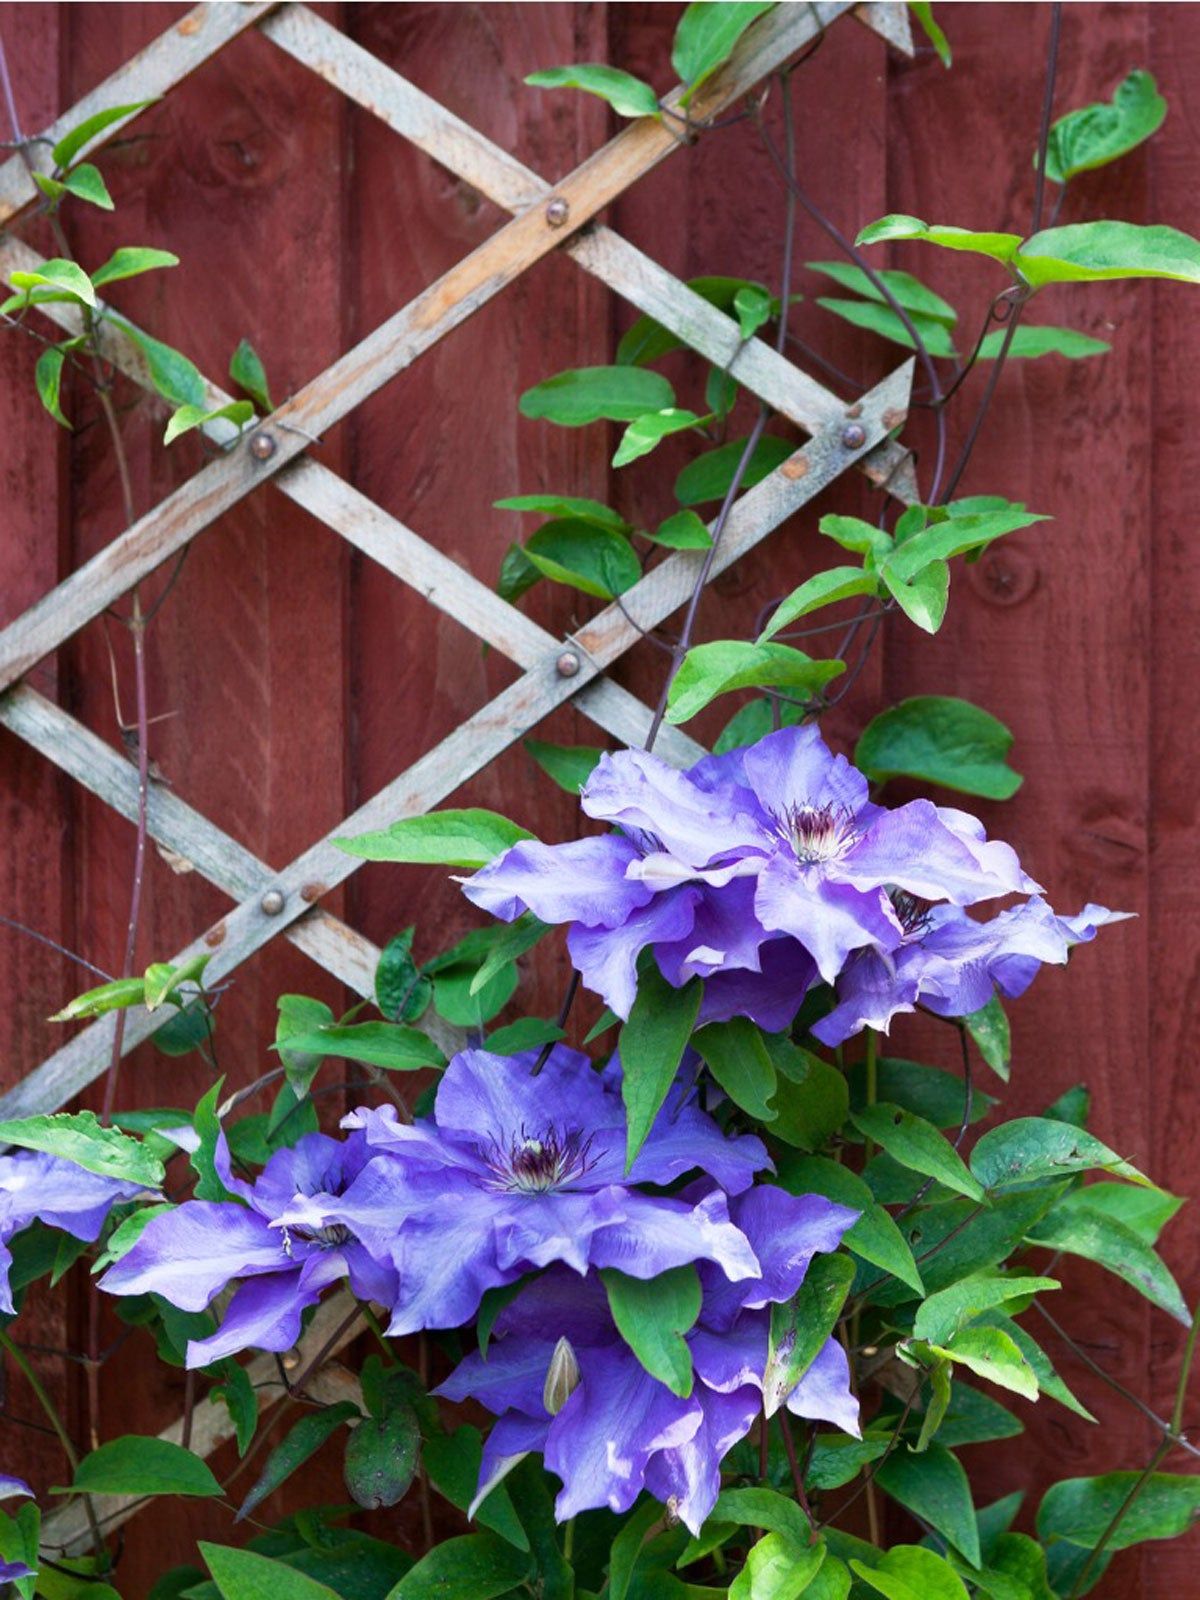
(854,436)
(567,664)
(262,447)
(272,902)
(557,211)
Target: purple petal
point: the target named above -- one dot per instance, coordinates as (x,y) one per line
(188,1255)
(582,881)
(771,998)
(658,1234)
(661,806)
(495,1101)
(870,993)
(511,1377)
(560,1304)
(687,1477)
(785,1231)
(794,767)
(823,1393)
(684,1138)
(831,920)
(725,934)
(729,1360)
(512,1438)
(446,1260)
(264,1314)
(10,1486)
(14,1571)
(313,1166)
(607,957)
(993,856)
(534,1230)
(35,1186)
(913,849)
(6,1299)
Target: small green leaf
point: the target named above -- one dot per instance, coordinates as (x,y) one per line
(627,1547)
(753,307)
(952,1308)
(652,1043)
(910,1572)
(943,740)
(852,533)
(211,1186)
(811,1097)
(989,1026)
(710,476)
(1030,341)
(1099,1237)
(705,38)
(1146,1211)
(647,431)
(906,290)
(777,1569)
(709,670)
(1029,1149)
(627,95)
(1097,134)
(591,394)
(72,142)
(526,1033)
(301,1441)
(936,1095)
(652,1315)
(247,371)
(475,1566)
(934,1487)
(954,534)
(595,560)
(566,506)
(1048,1381)
(118,995)
(683,531)
(990,1353)
(47,378)
(130,261)
(176,378)
(240,1398)
(762,1508)
(86,182)
(801,1325)
(923,11)
(168,979)
(569,765)
(923,598)
(823,589)
(916,1144)
(875,1236)
(453,1462)
(941,1387)
(391,1045)
(245,1575)
(1000,246)
(57,274)
(139,1465)
(469,838)
(881,319)
(299,1015)
(1089,252)
(1081,1510)
(648,340)
(78,1136)
(510,941)
(738,1059)
(381,1457)
(401,993)
(187,417)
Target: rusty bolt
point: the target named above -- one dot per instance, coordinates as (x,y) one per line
(567,664)
(272,902)
(854,436)
(262,447)
(557,212)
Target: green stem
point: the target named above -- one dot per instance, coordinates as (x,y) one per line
(569,1540)
(372,1322)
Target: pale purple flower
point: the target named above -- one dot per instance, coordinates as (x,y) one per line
(36,1187)
(10,1487)
(14,1571)
(952,965)
(514,1172)
(281,1236)
(622,1431)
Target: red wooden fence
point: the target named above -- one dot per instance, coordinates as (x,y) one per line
(295,679)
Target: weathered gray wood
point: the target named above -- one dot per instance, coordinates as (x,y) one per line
(186,45)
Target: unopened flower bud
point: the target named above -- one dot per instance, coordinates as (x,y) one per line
(562,1378)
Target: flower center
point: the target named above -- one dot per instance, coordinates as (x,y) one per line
(818,833)
(912,910)
(330,1237)
(539,1164)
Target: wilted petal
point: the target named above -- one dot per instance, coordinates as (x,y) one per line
(584,880)
(188,1255)
(606,958)
(823,1393)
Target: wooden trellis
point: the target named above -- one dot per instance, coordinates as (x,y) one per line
(280,449)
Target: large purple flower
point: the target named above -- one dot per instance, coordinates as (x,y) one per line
(621,1431)
(768,863)
(952,965)
(35,1187)
(282,1235)
(514,1172)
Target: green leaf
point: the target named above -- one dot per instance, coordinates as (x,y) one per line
(401,993)
(753,307)
(627,1547)
(976,1418)
(1019,1557)
(916,1144)
(302,1441)
(139,1465)
(469,838)
(709,670)
(568,506)
(705,37)
(811,1097)
(130,261)
(953,535)
(875,1236)
(777,1569)
(943,740)
(1099,1237)
(85,182)
(73,141)
(187,417)
(838,1458)
(1029,341)
(240,1399)
(590,394)
(300,1015)
(475,1566)
(459,1001)
(1097,134)
(934,1487)
(453,1463)
(648,340)
(950,1309)
(801,1325)
(989,1026)
(57,274)
(881,319)
(941,1387)
(627,95)
(1048,1380)
(392,1045)
(1031,1148)
(736,1055)
(245,1575)
(652,1316)
(910,1572)
(47,378)
(1080,1510)
(1073,1106)
(936,1095)
(510,941)
(957,1237)
(526,1033)
(381,1457)
(187,1030)
(852,533)
(1147,1211)
(823,589)
(990,1353)
(908,291)
(247,371)
(1000,246)
(648,431)
(595,560)
(652,1043)
(683,531)
(115,996)
(1089,252)
(203,1159)
(176,378)
(923,11)
(922,598)
(168,980)
(710,475)
(569,765)
(78,1136)
(762,1508)
(752,723)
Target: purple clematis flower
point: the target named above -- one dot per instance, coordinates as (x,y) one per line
(11,1487)
(769,863)
(621,1431)
(952,965)
(514,1172)
(35,1187)
(281,1235)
